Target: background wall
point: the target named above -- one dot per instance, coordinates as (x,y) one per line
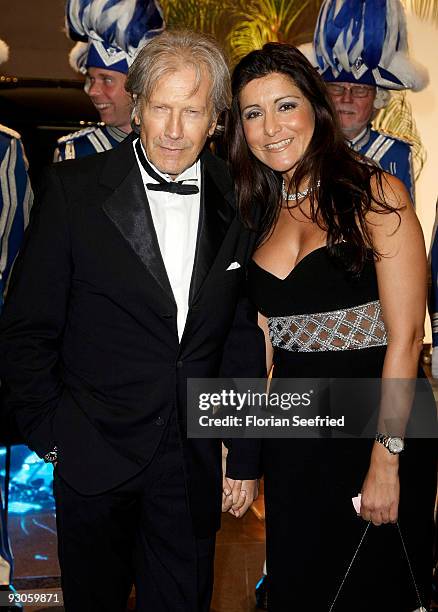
(33,29)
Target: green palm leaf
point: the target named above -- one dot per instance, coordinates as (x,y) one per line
(260,21)
(207,16)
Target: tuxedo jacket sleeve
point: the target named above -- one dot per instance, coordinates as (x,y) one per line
(244,357)
(34,316)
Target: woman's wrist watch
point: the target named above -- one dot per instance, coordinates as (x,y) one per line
(394,444)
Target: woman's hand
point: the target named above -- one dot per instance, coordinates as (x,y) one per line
(381,487)
(238,495)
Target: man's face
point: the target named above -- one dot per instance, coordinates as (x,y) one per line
(354,104)
(106,89)
(176,121)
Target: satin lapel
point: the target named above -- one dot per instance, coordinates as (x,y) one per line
(129,210)
(215,217)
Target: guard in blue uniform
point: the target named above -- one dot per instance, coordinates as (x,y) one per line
(107,45)
(361,64)
(15,202)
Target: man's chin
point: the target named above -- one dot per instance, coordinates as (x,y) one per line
(173,168)
(107,118)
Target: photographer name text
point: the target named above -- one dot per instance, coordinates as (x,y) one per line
(251,420)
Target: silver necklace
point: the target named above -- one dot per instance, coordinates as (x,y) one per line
(292,197)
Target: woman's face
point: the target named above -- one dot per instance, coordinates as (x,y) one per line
(278,121)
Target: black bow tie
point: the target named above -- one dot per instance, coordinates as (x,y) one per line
(163,185)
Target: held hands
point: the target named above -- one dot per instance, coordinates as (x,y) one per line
(238,495)
(381,488)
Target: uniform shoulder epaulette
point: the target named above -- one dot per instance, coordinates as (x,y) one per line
(78,134)
(394,137)
(9,132)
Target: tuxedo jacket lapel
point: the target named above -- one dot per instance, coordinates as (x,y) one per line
(215,216)
(128,209)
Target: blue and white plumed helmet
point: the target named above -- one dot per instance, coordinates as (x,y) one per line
(4,52)
(110,32)
(365,41)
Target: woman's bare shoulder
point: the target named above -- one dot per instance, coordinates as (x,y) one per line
(390,190)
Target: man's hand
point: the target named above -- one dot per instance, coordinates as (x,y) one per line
(238,495)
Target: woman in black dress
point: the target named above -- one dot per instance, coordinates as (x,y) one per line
(339,278)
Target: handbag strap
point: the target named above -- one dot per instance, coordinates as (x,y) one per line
(420,609)
(349,567)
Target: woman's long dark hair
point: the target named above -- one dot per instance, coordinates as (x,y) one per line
(340,179)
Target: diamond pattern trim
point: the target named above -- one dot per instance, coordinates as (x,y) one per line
(358,327)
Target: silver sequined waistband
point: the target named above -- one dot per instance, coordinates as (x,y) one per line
(357,327)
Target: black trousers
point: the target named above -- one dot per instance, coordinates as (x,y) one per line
(138,533)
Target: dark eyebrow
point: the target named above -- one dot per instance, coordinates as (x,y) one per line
(250,106)
(275,102)
(289,96)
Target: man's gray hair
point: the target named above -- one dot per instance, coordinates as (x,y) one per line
(172,50)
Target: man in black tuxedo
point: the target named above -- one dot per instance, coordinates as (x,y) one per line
(128,284)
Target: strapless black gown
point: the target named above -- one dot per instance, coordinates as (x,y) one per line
(326,323)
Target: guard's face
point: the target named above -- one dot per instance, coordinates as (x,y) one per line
(278,121)
(106,89)
(354,104)
(176,121)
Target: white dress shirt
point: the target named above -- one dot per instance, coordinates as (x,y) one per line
(176,220)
